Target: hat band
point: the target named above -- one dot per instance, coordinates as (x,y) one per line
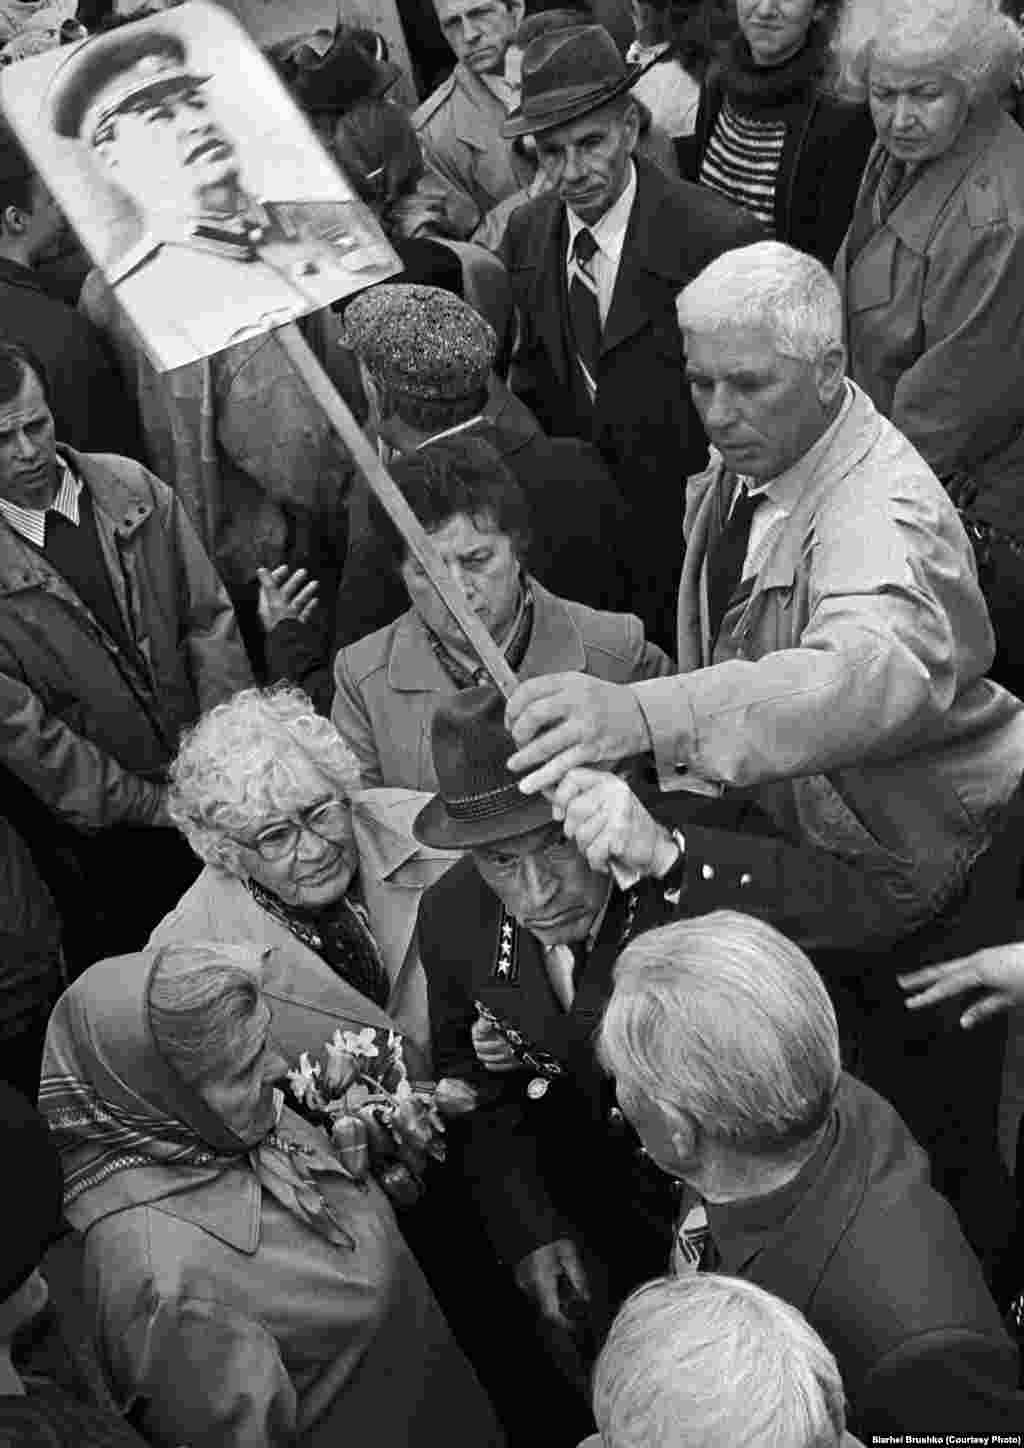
(469,808)
(562,97)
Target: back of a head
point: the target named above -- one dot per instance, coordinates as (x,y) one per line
(713,1362)
(17,363)
(375,145)
(727,1021)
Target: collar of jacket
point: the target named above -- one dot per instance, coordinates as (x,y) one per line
(792,1254)
(854,437)
(125,509)
(383,818)
(650,255)
(413,668)
(915,217)
(477,113)
(228,1208)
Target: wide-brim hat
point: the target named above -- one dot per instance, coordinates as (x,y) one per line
(478,800)
(567,74)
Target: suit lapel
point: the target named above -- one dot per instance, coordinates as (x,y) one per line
(547,300)
(640,287)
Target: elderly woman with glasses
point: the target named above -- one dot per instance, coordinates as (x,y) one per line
(932,268)
(265,791)
(246,1290)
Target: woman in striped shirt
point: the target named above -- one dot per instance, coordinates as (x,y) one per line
(770,137)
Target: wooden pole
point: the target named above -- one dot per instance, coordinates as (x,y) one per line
(380,481)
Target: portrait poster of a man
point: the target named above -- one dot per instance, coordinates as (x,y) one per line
(193,181)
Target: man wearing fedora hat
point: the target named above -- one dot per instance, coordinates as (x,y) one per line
(596,264)
(208,263)
(518,941)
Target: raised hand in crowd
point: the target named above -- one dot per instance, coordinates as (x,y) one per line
(998,973)
(285,594)
(564,720)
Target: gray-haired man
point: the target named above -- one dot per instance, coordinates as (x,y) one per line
(725,1052)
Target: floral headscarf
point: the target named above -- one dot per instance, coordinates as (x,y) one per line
(131,1131)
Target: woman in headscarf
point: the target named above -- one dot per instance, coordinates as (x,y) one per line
(246,1290)
(263,789)
(932,269)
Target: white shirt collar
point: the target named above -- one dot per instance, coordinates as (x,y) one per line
(31,522)
(610,231)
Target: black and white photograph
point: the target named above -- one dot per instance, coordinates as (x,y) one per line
(193,181)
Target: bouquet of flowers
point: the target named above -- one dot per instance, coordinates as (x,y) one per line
(378,1120)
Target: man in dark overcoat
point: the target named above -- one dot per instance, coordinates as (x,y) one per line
(596,264)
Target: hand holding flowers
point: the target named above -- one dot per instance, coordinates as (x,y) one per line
(378,1120)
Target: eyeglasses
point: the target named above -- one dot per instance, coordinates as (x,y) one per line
(328,820)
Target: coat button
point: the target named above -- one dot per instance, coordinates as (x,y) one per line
(615,1116)
(746,879)
(707,872)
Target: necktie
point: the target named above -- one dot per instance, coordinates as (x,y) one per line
(584,313)
(724,563)
(562,962)
(695,1249)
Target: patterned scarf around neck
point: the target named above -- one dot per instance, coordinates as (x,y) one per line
(124,1144)
(340,934)
(515,650)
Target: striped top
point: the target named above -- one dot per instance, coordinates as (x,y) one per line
(742,161)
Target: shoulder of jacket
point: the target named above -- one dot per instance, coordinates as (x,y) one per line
(367,656)
(618,635)
(993,187)
(433,103)
(985,197)
(439,913)
(111,477)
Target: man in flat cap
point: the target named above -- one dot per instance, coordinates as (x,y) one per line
(212,263)
(596,264)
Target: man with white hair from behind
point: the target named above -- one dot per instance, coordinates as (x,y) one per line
(715,1362)
(723,1044)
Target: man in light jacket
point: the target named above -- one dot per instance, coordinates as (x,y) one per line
(833,644)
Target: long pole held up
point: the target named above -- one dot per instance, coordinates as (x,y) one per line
(403,517)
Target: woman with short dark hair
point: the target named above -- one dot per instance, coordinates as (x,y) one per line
(388,685)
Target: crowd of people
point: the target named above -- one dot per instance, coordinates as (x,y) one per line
(631,1058)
